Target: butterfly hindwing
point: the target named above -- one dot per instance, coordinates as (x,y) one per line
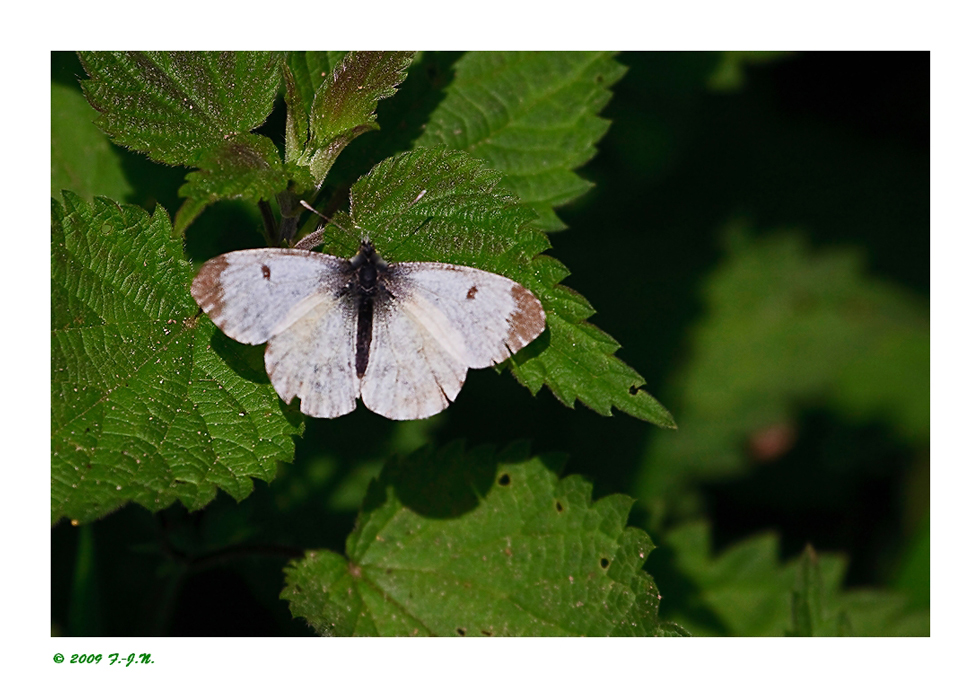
(313,358)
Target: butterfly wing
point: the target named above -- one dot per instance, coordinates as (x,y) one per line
(253,294)
(313,358)
(435,321)
(290,298)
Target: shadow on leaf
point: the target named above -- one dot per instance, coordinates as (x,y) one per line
(444,483)
(246,361)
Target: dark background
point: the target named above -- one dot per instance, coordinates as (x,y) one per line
(835,144)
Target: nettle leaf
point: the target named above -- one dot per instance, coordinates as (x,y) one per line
(304,71)
(746,591)
(473,543)
(531,115)
(148,403)
(250,168)
(177,106)
(464,219)
(343,107)
(577,361)
(194,109)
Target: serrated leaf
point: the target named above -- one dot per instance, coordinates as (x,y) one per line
(746,591)
(531,115)
(343,107)
(457,543)
(248,168)
(177,106)
(461,218)
(148,403)
(194,109)
(403,117)
(464,219)
(82,159)
(304,71)
(579,364)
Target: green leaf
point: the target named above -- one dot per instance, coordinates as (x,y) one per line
(531,115)
(577,361)
(82,160)
(194,109)
(304,71)
(464,219)
(343,107)
(457,543)
(148,403)
(177,106)
(809,618)
(745,591)
(403,118)
(249,168)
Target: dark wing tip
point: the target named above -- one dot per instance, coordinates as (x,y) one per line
(206,287)
(527,321)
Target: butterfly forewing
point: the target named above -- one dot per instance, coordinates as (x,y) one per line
(253,294)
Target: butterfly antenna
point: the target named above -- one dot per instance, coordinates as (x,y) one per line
(314,239)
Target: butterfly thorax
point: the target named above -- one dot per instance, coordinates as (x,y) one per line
(367,264)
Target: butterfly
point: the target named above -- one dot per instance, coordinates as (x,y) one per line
(399,336)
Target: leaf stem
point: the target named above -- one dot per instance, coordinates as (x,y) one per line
(269,222)
(289,210)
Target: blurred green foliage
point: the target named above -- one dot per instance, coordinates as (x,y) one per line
(785,327)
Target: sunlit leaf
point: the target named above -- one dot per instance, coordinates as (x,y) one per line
(532,116)
(148,403)
(480,544)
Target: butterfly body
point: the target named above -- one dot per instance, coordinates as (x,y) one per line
(400,336)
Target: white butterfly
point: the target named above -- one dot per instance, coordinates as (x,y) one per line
(400,336)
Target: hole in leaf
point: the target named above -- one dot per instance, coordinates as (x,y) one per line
(486,633)
(604,563)
(559,507)
(634,391)
(461,631)
(504,480)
